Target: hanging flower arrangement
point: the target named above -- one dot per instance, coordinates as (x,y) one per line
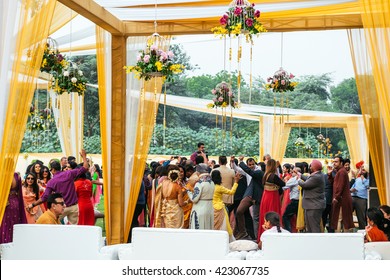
(299,142)
(223,97)
(320,138)
(70,80)
(154,62)
(53,62)
(281,81)
(36,123)
(241,17)
(308,149)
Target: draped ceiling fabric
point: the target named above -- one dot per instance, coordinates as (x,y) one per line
(27,25)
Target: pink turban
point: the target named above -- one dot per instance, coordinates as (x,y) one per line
(316,165)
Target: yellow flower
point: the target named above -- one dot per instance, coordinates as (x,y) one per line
(176,68)
(44,62)
(210,105)
(224,104)
(159,65)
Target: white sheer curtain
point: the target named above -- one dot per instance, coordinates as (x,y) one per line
(8,25)
(134,45)
(68,112)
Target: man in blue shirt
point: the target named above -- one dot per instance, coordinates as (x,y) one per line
(359,193)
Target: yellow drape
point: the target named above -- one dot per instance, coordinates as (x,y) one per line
(376,22)
(147,109)
(33,26)
(104,104)
(369,104)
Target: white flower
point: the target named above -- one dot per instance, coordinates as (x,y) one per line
(80,72)
(66,73)
(74,80)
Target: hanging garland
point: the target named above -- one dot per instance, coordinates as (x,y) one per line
(65,75)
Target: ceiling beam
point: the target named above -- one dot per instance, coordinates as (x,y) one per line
(97,14)
(196,26)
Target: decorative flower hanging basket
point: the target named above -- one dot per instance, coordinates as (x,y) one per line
(223,96)
(155,62)
(281,81)
(241,18)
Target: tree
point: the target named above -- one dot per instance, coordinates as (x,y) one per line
(315,85)
(345,97)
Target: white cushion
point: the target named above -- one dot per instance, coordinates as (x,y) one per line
(243,245)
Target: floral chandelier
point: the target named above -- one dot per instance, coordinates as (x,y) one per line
(241,18)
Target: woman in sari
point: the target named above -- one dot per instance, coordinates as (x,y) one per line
(172,200)
(187,208)
(271,195)
(221,218)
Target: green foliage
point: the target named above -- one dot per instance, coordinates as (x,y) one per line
(345,97)
(93,144)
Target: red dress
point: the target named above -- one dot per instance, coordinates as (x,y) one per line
(84,194)
(270,200)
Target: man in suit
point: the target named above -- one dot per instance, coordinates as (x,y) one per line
(252,196)
(313,200)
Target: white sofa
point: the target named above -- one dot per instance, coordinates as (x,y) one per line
(377,250)
(177,244)
(311,246)
(56,242)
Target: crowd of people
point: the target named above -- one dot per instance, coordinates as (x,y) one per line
(243,197)
(63,192)
(247,198)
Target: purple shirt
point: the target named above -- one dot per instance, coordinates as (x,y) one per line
(63,182)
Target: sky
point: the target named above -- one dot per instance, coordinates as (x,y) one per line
(304,53)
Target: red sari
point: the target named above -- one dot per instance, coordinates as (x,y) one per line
(84,194)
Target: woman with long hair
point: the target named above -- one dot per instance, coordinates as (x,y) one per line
(30,191)
(221,218)
(84,194)
(45,176)
(271,195)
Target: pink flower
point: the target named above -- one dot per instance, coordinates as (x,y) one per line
(170,54)
(257,13)
(139,57)
(249,22)
(214,99)
(223,20)
(153,47)
(238,11)
(220,99)
(213,91)
(283,82)
(230,94)
(291,76)
(275,80)
(163,56)
(146,58)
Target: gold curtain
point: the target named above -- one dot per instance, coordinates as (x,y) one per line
(369,104)
(376,22)
(148,96)
(355,135)
(104,106)
(33,26)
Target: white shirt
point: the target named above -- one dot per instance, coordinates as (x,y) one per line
(273,230)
